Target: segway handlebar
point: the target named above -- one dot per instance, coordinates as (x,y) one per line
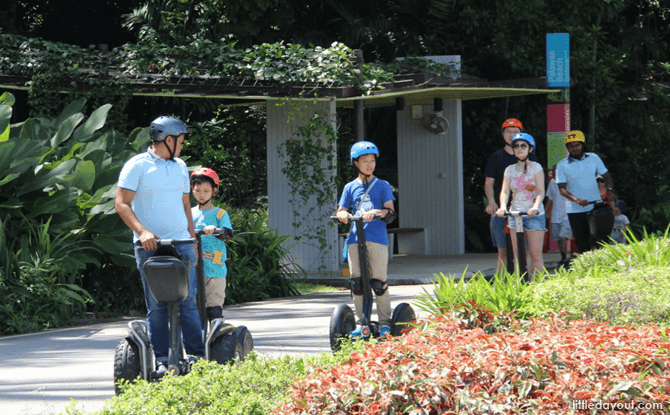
(165,242)
(224,234)
(516,213)
(353,218)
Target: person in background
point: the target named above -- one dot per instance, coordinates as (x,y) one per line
(621,223)
(495,169)
(576,178)
(525,181)
(560,225)
(602,188)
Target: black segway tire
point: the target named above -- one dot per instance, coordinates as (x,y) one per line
(226,348)
(342,322)
(244,338)
(402,314)
(126,363)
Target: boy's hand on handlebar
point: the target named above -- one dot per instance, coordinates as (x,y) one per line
(369,215)
(148,241)
(343,216)
(209,229)
(582,202)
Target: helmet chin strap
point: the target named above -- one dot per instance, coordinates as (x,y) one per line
(367,176)
(171,150)
(525,164)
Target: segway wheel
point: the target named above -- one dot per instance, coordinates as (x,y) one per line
(342,322)
(402,314)
(226,347)
(244,338)
(126,363)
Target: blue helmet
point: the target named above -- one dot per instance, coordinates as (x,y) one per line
(164,126)
(525,137)
(621,205)
(363,147)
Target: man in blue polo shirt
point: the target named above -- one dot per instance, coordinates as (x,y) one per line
(576,178)
(153,200)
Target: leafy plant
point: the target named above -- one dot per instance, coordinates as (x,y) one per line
(259,265)
(441,367)
(58,179)
(234,145)
(505,292)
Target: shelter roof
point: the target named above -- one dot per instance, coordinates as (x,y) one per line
(415,88)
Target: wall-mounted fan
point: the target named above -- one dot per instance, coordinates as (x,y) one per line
(436,123)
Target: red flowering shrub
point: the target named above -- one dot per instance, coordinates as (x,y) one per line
(549,367)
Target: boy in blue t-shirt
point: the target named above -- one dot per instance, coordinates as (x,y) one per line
(204,185)
(368,196)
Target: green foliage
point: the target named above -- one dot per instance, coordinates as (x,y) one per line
(58,179)
(620,284)
(61,73)
(255,386)
(259,265)
(234,145)
(505,292)
(638,296)
(34,286)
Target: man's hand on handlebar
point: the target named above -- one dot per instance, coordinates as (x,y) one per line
(582,202)
(492,209)
(148,241)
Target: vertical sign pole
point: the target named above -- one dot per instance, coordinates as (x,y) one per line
(558,103)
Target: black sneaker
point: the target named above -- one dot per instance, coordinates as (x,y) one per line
(214,312)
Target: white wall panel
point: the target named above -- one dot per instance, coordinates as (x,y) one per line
(280,210)
(430,179)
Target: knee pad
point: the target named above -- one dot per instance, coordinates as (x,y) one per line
(378,286)
(356,285)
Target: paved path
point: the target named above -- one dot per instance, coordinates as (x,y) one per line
(39,373)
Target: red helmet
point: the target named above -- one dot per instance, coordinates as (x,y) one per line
(512,122)
(206,171)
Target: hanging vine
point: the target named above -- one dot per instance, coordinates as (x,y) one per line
(311,168)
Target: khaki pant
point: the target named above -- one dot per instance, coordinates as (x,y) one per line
(215,291)
(379,258)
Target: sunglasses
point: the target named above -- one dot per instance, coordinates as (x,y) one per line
(520,145)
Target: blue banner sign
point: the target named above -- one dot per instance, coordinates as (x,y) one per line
(558,60)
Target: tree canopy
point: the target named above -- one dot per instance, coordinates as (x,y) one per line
(620,59)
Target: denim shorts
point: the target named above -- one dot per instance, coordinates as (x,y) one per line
(536,223)
(497,226)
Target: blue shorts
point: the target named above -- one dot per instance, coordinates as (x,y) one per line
(497,226)
(561,230)
(536,223)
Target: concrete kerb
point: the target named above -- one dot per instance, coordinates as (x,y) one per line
(421,269)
